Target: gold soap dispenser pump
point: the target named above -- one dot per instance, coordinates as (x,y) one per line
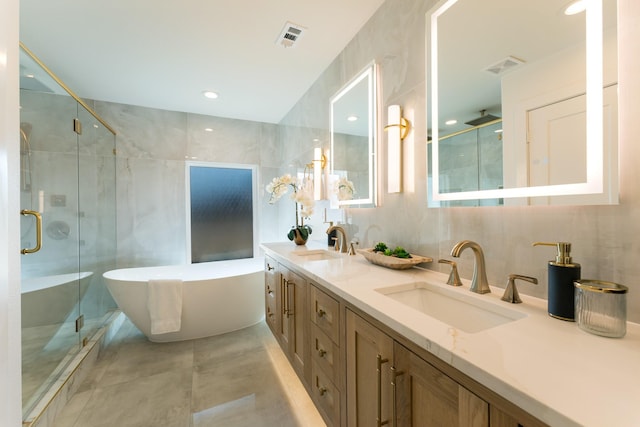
(563,272)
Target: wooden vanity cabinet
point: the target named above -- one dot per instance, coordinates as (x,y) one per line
(389,385)
(426,397)
(286,314)
(326,360)
(359,372)
(293,332)
(369,356)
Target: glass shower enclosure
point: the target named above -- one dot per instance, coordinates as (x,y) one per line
(68,226)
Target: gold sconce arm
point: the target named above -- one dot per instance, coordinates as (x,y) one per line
(397,130)
(404,125)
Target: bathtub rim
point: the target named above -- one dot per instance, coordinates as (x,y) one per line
(256,264)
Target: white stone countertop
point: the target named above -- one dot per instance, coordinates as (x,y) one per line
(552,369)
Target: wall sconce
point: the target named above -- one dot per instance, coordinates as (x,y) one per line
(318,163)
(397,129)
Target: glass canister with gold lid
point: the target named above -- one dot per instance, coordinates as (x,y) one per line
(601,307)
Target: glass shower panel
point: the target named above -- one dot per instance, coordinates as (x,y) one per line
(490,157)
(49,182)
(459,162)
(97,220)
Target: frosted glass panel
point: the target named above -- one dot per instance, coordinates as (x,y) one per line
(221,213)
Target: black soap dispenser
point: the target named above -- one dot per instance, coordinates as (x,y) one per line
(562,273)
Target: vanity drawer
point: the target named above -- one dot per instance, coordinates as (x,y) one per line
(325,313)
(326,395)
(325,353)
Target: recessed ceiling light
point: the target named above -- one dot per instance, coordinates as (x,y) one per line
(451,122)
(575,7)
(208,130)
(209,94)
(352,118)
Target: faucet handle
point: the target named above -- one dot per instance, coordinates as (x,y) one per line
(336,246)
(352,249)
(454,278)
(511,292)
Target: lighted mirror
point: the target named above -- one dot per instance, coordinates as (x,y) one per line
(522,103)
(354,140)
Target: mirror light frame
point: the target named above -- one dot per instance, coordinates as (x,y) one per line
(370,72)
(595,146)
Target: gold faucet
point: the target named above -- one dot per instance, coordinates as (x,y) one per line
(343,237)
(479,283)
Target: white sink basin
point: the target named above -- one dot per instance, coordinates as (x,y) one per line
(316,255)
(454,308)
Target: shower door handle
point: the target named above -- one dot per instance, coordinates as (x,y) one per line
(38,231)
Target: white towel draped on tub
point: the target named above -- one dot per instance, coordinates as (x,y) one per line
(164,301)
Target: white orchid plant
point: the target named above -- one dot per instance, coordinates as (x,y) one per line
(344,189)
(303,197)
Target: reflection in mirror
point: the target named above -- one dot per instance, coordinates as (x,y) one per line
(354,139)
(515,117)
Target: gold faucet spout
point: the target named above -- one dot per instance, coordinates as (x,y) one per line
(479,282)
(343,237)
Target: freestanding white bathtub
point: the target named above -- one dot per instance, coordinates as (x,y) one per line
(217,297)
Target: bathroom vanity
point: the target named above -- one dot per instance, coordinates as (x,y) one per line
(368,354)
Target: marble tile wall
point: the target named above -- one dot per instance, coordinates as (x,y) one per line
(606,239)
(153,147)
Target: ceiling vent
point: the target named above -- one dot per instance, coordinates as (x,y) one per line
(290,35)
(507,64)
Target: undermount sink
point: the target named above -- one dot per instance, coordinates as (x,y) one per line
(316,255)
(464,312)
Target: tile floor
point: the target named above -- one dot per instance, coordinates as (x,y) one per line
(234,380)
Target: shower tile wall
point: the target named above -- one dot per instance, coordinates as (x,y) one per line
(605,238)
(153,148)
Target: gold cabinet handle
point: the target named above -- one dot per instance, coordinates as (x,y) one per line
(380,362)
(269,268)
(321,313)
(394,376)
(288,311)
(322,391)
(38,231)
(321,352)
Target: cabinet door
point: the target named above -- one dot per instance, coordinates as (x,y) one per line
(500,418)
(425,397)
(294,330)
(369,356)
(271,285)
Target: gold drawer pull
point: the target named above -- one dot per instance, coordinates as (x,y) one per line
(322,391)
(321,313)
(321,352)
(394,382)
(380,362)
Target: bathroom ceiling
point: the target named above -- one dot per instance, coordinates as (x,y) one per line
(164,54)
